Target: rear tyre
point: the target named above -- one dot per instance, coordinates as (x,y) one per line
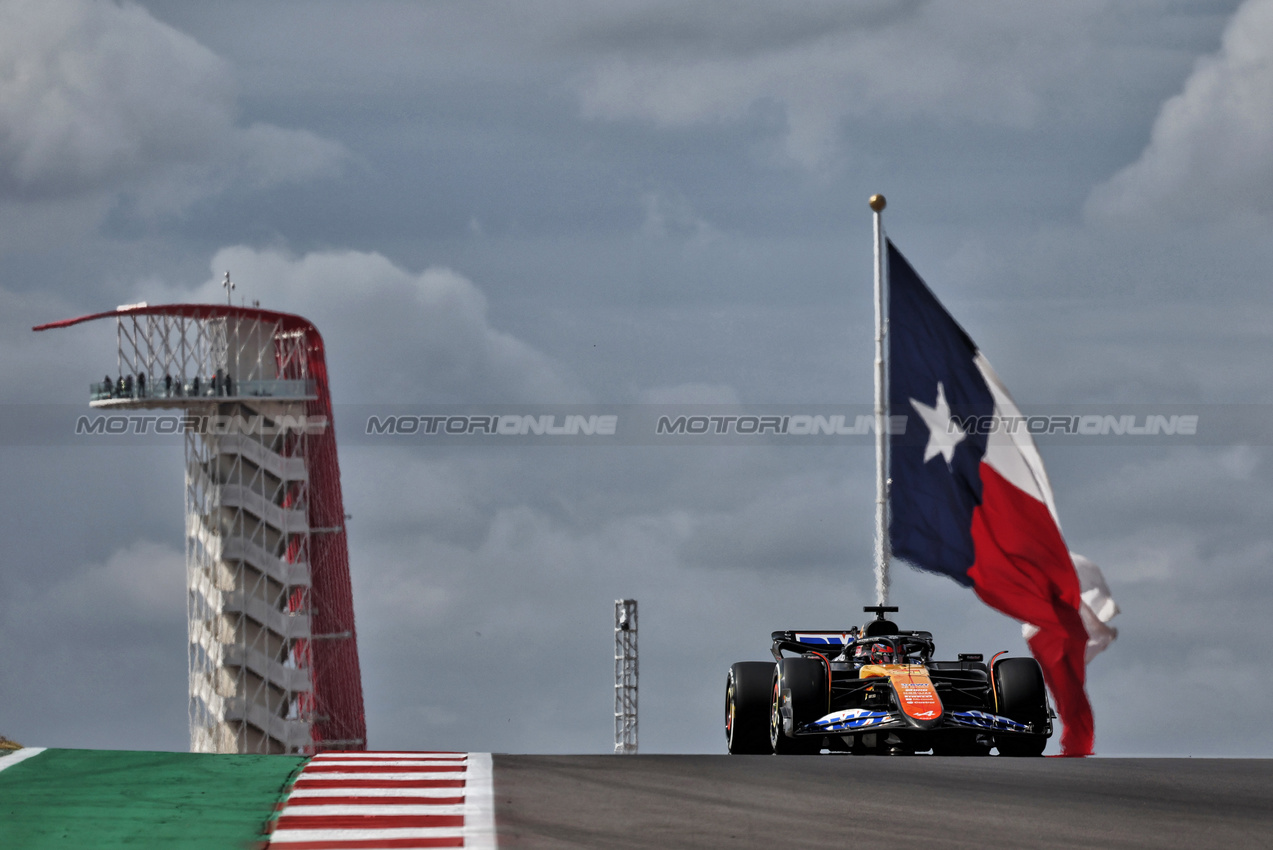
(747,708)
(1024,698)
(800,691)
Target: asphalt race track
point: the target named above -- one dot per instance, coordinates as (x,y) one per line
(62,799)
(670,802)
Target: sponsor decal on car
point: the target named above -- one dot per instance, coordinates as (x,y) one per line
(916,695)
(852,718)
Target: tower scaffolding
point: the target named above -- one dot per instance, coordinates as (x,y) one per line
(625,676)
(272,651)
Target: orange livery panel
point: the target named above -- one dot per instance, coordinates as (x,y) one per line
(916,696)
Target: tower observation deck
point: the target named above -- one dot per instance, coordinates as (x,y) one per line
(273,656)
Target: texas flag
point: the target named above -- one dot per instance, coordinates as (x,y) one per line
(970,499)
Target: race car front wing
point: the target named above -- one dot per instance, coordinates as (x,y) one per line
(852,719)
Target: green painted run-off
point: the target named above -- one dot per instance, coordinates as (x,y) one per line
(102,799)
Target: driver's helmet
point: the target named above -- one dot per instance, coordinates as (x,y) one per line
(881,653)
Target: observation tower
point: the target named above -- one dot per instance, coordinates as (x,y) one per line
(273,655)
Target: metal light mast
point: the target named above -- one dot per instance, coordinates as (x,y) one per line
(625,676)
(882,553)
(273,658)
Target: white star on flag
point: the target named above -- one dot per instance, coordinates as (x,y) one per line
(943,432)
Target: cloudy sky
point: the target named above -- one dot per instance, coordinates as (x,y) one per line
(637,203)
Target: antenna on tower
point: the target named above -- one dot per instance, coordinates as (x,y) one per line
(625,676)
(229,287)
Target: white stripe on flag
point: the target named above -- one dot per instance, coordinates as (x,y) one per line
(1014,456)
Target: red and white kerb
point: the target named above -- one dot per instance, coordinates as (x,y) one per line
(388,800)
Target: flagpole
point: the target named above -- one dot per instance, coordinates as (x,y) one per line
(878,203)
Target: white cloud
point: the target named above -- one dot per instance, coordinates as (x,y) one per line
(1210,153)
(393,335)
(139,587)
(97,96)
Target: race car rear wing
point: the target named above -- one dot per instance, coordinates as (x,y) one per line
(826,641)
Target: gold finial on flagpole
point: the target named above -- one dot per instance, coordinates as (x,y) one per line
(878,203)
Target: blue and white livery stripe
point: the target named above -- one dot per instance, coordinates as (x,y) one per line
(851,718)
(822,639)
(985,720)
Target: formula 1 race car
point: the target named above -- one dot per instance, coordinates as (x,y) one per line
(876,690)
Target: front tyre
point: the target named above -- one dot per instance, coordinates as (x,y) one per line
(800,693)
(1024,698)
(747,708)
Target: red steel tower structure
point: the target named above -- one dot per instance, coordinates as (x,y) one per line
(273,654)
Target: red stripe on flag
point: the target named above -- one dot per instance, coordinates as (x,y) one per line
(287,822)
(1023,569)
(377,783)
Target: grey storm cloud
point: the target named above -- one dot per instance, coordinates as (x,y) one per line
(98,96)
(822,64)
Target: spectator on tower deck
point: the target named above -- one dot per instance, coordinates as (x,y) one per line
(141,384)
(107,387)
(168,385)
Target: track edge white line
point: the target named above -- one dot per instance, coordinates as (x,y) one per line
(20,756)
(479,803)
